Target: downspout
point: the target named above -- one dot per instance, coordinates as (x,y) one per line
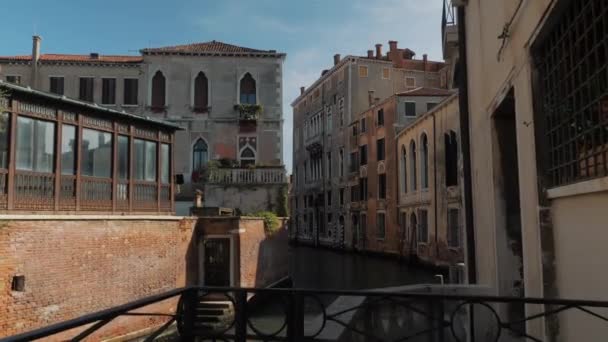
(350,107)
(435,185)
(463,99)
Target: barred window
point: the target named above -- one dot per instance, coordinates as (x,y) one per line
(573,81)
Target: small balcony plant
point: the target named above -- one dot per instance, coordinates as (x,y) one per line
(248,112)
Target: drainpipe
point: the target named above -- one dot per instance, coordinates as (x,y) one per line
(463,99)
(435,185)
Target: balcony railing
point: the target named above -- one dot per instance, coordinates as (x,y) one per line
(263,175)
(449,28)
(427,313)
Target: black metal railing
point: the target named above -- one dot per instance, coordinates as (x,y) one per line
(448,17)
(247,314)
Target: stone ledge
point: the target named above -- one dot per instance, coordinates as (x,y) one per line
(580,188)
(34,217)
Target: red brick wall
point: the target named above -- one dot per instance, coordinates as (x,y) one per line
(75,267)
(263,258)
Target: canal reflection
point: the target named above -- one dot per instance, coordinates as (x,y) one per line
(326,269)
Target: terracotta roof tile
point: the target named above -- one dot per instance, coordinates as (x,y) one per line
(76,58)
(425,91)
(212,46)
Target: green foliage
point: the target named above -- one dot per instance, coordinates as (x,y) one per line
(249,111)
(282,197)
(271,221)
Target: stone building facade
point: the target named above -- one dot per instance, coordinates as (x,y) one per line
(199,86)
(538,105)
(430,215)
(322,114)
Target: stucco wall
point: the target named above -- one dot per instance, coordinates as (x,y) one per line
(247,199)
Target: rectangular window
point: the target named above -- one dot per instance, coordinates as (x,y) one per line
(354,161)
(382,186)
(354,193)
(69,144)
(454,228)
(430,105)
(362,71)
(363,189)
(380,121)
(165,163)
(35,145)
(123,157)
(145,160)
(355,131)
(363,125)
(423,226)
(96,153)
(329,198)
(13,79)
(386,73)
(410,82)
(363,154)
(329,165)
(380,149)
(56,85)
(381,233)
(341,111)
(341,162)
(341,196)
(86,89)
(410,109)
(108,91)
(4,142)
(130,91)
(329,218)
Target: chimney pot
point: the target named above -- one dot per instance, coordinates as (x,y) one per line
(370,53)
(94,55)
(392,44)
(302,90)
(336,59)
(378,51)
(424,57)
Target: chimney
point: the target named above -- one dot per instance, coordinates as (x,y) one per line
(336,59)
(94,55)
(35,58)
(424,65)
(392,45)
(378,51)
(302,90)
(370,53)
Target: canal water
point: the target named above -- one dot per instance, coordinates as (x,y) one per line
(315,268)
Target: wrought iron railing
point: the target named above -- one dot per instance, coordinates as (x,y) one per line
(245,314)
(262,175)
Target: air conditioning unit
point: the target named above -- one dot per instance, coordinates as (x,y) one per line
(458,3)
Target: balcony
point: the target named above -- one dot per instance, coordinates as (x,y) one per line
(449,29)
(241,176)
(406,313)
(249,112)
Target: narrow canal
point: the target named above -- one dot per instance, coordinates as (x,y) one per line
(316,268)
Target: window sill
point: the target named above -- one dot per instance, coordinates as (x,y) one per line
(580,188)
(109,104)
(130,105)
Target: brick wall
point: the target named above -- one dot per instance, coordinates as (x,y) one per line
(75,267)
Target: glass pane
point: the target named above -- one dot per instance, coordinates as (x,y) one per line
(68,150)
(150,161)
(123,157)
(35,145)
(25,150)
(145,160)
(96,153)
(4,128)
(164,174)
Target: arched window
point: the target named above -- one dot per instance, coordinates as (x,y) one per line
(201,92)
(247,157)
(413,177)
(200,155)
(158,90)
(413,227)
(403,169)
(247,89)
(424,172)
(451,159)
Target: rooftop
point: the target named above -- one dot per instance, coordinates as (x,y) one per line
(90,58)
(213,46)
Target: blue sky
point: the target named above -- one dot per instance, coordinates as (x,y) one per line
(309,31)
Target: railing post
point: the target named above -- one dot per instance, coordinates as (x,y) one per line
(240,318)
(295,326)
